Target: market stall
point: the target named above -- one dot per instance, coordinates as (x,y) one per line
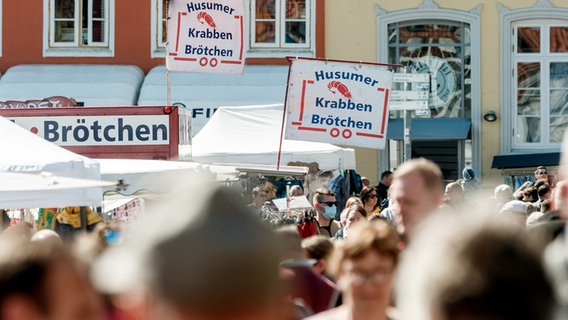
(24,152)
(251,135)
(45,190)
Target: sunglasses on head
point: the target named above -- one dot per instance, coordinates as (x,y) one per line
(329,204)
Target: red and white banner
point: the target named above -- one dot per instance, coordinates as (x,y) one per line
(206,36)
(338,102)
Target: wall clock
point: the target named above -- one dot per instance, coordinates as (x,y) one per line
(443,80)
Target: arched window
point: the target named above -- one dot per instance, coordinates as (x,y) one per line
(445,45)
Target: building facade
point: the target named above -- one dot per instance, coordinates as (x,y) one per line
(500,68)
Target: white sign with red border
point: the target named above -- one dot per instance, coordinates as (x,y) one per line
(206,36)
(338,102)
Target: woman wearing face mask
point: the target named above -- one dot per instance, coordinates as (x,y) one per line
(326,209)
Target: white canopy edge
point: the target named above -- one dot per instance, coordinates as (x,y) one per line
(204,92)
(94,85)
(45,190)
(251,135)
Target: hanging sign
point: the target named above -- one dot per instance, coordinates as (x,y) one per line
(338,102)
(206,36)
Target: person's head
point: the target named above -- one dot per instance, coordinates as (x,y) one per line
(518,194)
(541,173)
(474,267)
(319,248)
(47,235)
(291,243)
(355,214)
(544,192)
(195,253)
(530,194)
(540,182)
(416,191)
(353,200)
(386,178)
(516,212)
(503,193)
(295,191)
(5,220)
(259,196)
(454,193)
(363,263)
(325,203)
(369,197)
(365,182)
(42,280)
(23,230)
(270,190)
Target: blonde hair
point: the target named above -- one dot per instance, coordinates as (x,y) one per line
(426,169)
(352,200)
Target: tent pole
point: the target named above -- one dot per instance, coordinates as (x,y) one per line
(284,114)
(168,88)
(83,214)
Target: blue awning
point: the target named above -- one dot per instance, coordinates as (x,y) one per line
(507,161)
(431,129)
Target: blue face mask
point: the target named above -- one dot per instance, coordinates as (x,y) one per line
(329,212)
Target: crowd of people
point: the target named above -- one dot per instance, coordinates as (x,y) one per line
(412,247)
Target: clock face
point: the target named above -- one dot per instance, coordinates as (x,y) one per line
(443,80)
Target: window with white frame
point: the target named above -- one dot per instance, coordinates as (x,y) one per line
(534,62)
(78,27)
(281,27)
(540,83)
(159,28)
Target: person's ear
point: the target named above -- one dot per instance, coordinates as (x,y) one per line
(319,266)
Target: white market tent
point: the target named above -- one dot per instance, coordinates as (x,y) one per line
(24,152)
(251,135)
(205,92)
(158,176)
(94,85)
(44,190)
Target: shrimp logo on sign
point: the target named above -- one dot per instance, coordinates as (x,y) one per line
(203,18)
(336,86)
